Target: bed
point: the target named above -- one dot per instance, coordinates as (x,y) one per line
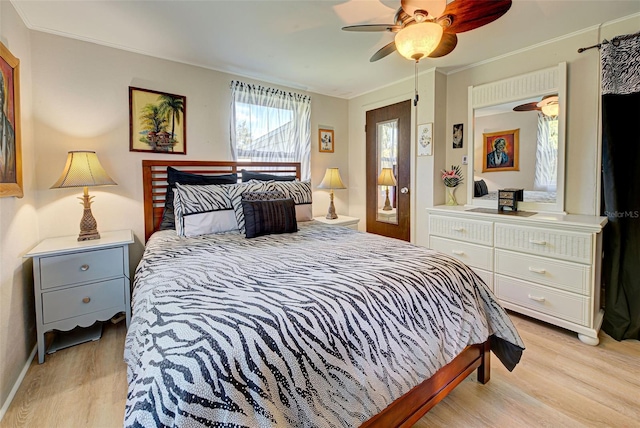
(326,326)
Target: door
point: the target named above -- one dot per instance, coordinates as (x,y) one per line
(389,170)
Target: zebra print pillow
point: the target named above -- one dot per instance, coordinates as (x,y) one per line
(200,210)
(271,216)
(300,192)
(235,195)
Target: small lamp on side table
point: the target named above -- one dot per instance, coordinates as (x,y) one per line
(386,178)
(83,169)
(332,181)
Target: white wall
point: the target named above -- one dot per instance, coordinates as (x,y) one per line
(583,115)
(18,224)
(81,93)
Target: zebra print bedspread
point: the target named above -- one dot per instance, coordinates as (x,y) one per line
(320,328)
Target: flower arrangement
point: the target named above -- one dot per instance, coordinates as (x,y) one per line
(452,177)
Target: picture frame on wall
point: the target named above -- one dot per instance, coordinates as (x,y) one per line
(325,140)
(425,139)
(157,122)
(501,151)
(10,132)
(458,136)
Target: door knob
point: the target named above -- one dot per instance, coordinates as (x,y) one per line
(404,190)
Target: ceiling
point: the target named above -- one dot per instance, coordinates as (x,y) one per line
(300,43)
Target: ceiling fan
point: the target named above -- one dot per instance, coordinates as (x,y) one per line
(548,105)
(429,27)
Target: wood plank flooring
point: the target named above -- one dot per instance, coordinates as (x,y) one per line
(560,382)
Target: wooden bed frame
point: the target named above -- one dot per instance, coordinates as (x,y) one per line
(403,412)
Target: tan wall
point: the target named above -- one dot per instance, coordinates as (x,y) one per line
(18,224)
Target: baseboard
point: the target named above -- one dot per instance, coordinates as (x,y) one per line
(16,385)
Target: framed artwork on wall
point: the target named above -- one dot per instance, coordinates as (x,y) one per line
(157,122)
(325,139)
(500,151)
(425,139)
(458,137)
(10,148)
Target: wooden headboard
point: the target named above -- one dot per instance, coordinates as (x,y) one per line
(154,180)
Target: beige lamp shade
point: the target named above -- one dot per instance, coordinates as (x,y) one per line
(418,40)
(83,169)
(386,178)
(332,180)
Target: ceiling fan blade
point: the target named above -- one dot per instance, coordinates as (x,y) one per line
(470,14)
(432,7)
(384,51)
(373,27)
(447,44)
(527,107)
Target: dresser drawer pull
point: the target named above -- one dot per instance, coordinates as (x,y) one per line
(458,252)
(84,268)
(536,298)
(458,229)
(86,300)
(537,270)
(536,242)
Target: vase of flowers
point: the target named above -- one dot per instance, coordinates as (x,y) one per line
(452,178)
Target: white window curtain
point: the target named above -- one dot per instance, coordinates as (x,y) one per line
(547,154)
(270,125)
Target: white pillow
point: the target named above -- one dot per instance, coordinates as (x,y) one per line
(203,209)
(300,192)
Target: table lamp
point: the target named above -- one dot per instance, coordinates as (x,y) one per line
(332,181)
(386,178)
(83,169)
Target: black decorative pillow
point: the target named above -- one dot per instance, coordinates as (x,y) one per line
(480,188)
(175,176)
(248,175)
(269,217)
(300,192)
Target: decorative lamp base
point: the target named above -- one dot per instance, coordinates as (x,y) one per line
(331,214)
(387,202)
(88,224)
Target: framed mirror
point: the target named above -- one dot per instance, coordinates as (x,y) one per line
(387,150)
(517,130)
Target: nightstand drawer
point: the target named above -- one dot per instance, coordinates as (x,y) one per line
(85,299)
(476,231)
(567,276)
(567,306)
(74,268)
(470,254)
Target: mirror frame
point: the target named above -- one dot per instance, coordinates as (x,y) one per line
(538,83)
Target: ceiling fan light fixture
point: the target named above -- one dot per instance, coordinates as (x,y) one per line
(418,40)
(551,109)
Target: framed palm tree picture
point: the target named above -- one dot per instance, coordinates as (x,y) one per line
(157,122)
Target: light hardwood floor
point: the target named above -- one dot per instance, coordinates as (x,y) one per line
(560,382)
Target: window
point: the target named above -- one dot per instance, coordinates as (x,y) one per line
(270,125)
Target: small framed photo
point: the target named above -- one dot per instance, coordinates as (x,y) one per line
(500,151)
(10,127)
(157,122)
(425,139)
(325,140)
(458,138)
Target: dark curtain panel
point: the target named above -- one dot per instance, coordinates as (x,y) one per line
(621,185)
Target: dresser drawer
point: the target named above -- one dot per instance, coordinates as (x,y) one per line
(567,276)
(74,268)
(567,306)
(476,231)
(486,276)
(68,303)
(570,246)
(470,254)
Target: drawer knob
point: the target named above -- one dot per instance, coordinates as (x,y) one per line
(536,298)
(86,300)
(458,229)
(458,252)
(84,268)
(536,242)
(537,270)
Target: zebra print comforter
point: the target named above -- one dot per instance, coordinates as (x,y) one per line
(320,328)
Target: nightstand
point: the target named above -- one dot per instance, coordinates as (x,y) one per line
(78,283)
(343,220)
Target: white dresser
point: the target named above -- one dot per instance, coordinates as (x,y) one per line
(77,283)
(546,266)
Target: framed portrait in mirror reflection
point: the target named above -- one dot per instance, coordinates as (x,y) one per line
(500,151)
